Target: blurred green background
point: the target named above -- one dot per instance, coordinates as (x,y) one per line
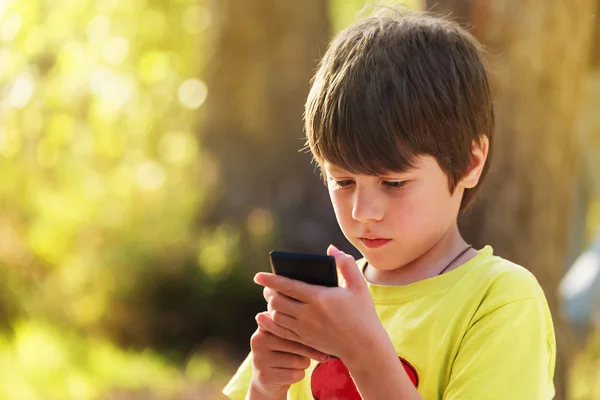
(149,161)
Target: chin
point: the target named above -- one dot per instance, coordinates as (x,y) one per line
(380,261)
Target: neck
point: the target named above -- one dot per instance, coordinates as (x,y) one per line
(428,264)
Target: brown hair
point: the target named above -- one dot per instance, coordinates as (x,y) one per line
(390,88)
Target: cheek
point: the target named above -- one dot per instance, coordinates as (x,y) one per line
(336,203)
(421,212)
(407,218)
(342,206)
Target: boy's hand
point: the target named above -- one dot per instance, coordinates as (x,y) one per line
(277,363)
(338,321)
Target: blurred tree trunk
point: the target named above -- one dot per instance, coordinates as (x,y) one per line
(263,55)
(596,38)
(540,53)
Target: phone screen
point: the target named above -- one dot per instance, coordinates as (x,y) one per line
(314,269)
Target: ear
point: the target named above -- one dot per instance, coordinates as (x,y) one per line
(479,153)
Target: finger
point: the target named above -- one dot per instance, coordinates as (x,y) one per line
(287,346)
(290,287)
(269,293)
(286,376)
(265,321)
(283,320)
(270,310)
(282,303)
(278,359)
(280,318)
(346,265)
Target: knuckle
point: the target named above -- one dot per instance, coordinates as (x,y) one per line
(254,343)
(319,298)
(257,340)
(259,373)
(314,354)
(297,375)
(276,301)
(262,359)
(276,316)
(285,334)
(287,286)
(303,363)
(255,336)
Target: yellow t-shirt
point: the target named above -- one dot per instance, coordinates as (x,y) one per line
(481,331)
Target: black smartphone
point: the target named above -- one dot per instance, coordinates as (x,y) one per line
(314,269)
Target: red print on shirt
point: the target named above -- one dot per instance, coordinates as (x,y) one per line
(331,380)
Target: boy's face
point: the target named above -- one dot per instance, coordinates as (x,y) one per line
(394,218)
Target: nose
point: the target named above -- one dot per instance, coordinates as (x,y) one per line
(367,207)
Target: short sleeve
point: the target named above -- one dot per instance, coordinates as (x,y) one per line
(508,353)
(237,388)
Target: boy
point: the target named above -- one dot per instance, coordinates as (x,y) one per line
(400,120)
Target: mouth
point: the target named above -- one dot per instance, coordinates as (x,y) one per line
(373,243)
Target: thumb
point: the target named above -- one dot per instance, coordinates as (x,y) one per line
(347,267)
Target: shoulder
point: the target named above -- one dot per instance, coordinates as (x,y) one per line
(499,282)
(507,279)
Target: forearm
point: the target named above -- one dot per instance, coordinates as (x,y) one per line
(379,374)
(255,394)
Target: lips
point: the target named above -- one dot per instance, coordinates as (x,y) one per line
(375,242)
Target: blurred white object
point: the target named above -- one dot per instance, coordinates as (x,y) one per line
(579,290)
(581,276)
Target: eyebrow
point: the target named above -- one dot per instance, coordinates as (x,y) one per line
(339,170)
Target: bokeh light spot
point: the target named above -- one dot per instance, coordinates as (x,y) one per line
(154,66)
(115,50)
(150,175)
(177,147)
(260,222)
(217,250)
(192,93)
(195,19)
(10,142)
(10,27)
(21,91)
(98,29)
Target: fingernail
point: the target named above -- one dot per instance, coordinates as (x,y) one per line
(324,358)
(335,249)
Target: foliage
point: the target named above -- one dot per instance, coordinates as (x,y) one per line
(42,362)
(101,179)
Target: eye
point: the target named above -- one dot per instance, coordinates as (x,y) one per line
(394,184)
(341,184)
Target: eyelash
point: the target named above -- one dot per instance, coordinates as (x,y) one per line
(390,184)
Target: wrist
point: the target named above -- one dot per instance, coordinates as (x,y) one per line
(377,348)
(257,392)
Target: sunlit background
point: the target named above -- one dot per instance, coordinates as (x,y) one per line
(149,161)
